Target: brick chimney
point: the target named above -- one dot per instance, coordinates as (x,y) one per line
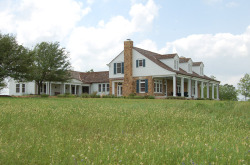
(128,74)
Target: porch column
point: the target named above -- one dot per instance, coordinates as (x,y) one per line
(196,89)
(202,86)
(212,91)
(182,87)
(63,88)
(208,90)
(217,91)
(174,85)
(50,89)
(113,88)
(79,90)
(189,88)
(47,86)
(166,87)
(70,89)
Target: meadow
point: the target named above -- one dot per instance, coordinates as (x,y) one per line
(123,131)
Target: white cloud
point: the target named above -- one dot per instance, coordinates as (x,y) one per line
(34,20)
(232,4)
(226,56)
(94,47)
(148,45)
(210,2)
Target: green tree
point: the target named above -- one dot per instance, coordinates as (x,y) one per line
(91,70)
(51,63)
(15,60)
(244,86)
(228,92)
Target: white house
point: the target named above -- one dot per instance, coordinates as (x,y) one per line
(136,71)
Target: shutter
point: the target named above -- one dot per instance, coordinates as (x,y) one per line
(146,85)
(137,63)
(144,63)
(122,67)
(114,68)
(137,86)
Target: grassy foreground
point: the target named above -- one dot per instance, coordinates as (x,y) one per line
(123,131)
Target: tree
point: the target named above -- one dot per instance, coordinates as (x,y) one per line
(15,60)
(91,70)
(228,92)
(244,86)
(51,63)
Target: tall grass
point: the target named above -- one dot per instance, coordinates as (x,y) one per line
(123,131)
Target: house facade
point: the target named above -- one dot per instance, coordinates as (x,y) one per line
(134,71)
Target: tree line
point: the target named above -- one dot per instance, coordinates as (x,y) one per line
(47,61)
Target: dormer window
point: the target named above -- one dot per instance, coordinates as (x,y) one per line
(189,68)
(176,64)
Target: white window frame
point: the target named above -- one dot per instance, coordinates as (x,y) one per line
(23,88)
(158,86)
(99,87)
(140,87)
(107,87)
(140,61)
(119,67)
(18,88)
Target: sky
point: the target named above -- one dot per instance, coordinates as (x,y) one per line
(216,32)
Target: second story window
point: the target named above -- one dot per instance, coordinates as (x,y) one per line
(140,63)
(119,67)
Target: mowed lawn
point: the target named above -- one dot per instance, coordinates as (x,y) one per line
(123,131)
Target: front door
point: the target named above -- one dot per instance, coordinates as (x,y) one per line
(119,90)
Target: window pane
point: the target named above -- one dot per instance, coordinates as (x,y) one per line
(107,87)
(140,62)
(23,88)
(100,88)
(119,68)
(103,87)
(17,88)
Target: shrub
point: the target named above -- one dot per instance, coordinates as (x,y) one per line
(175,97)
(44,95)
(85,95)
(67,95)
(151,97)
(94,95)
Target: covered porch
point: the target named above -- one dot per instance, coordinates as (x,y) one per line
(54,88)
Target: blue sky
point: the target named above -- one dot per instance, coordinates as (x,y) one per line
(216,32)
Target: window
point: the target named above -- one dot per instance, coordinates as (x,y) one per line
(107,86)
(140,63)
(201,70)
(142,86)
(176,64)
(119,67)
(17,88)
(158,86)
(100,88)
(103,87)
(23,88)
(189,68)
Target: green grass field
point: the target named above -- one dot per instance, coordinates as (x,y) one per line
(123,131)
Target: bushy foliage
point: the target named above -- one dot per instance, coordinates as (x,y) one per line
(244,86)
(176,97)
(44,95)
(228,92)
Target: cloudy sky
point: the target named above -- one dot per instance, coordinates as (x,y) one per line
(216,32)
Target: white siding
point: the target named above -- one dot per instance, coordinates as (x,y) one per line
(170,62)
(184,66)
(94,88)
(150,69)
(197,69)
(29,88)
(119,58)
